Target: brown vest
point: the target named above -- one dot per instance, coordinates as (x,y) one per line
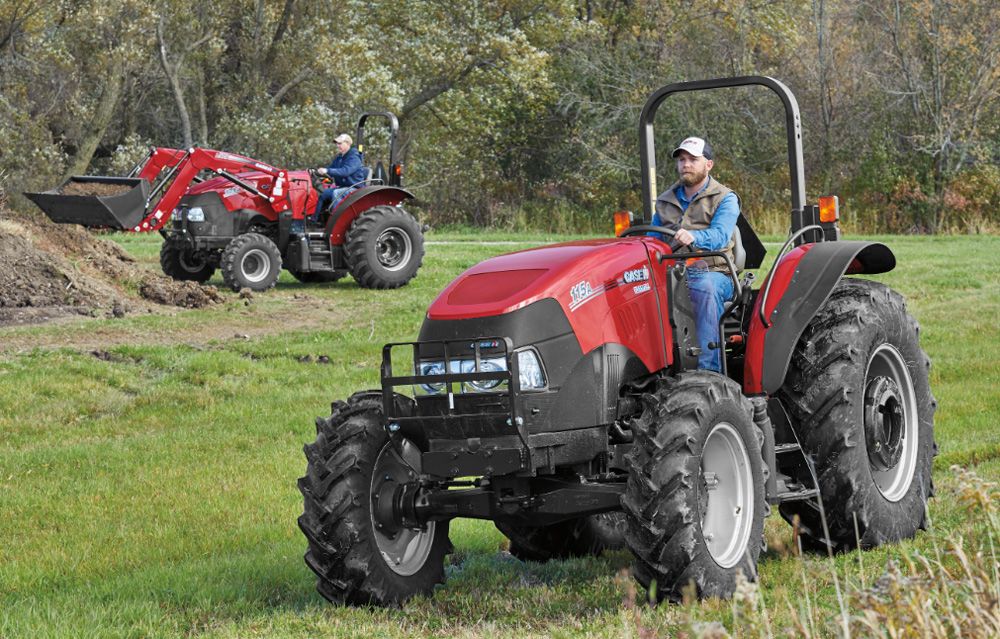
(698,215)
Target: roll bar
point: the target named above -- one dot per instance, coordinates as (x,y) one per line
(793,129)
(393,122)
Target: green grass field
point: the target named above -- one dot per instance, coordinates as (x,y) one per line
(151,491)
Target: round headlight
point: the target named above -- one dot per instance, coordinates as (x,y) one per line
(432,368)
(485,366)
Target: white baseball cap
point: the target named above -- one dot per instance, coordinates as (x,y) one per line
(696,147)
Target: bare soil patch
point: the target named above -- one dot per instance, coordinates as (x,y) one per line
(50,270)
(99,189)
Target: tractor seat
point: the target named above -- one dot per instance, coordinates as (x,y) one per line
(739,253)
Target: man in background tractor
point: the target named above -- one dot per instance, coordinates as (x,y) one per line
(347,170)
(705,213)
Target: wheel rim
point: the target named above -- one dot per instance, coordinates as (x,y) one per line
(190,265)
(727,495)
(404,550)
(255,265)
(890,421)
(393,248)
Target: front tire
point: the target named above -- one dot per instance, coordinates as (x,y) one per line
(580,537)
(384,247)
(694,501)
(356,562)
(251,261)
(858,393)
(183,265)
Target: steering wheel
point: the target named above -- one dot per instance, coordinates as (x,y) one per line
(317,180)
(642,229)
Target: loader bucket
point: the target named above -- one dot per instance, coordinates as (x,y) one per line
(95,201)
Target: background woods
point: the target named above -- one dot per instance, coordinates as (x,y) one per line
(521,113)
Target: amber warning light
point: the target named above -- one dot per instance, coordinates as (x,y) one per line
(623,220)
(829,209)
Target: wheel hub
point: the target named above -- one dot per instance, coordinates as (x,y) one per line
(255,265)
(404,550)
(883,423)
(726,497)
(393,248)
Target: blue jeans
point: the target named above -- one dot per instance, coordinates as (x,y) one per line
(328,196)
(710,290)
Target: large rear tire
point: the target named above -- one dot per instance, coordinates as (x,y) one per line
(355,560)
(858,394)
(251,261)
(694,501)
(579,537)
(181,264)
(384,247)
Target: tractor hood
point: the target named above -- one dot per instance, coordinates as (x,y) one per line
(572,273)
(259,180)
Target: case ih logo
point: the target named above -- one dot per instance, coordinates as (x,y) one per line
(636,275)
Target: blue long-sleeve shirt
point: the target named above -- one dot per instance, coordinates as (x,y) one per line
(347,169)
(720,229)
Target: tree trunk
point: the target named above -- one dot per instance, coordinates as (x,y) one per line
(94,130)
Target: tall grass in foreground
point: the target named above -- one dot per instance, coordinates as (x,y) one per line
(954,592)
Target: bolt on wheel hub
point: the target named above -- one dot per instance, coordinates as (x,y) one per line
(883,423)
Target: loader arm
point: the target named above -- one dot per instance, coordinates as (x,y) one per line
(184,170)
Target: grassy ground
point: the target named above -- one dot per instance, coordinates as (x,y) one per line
(150,490)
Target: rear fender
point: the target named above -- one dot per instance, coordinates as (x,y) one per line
(802,281)
(357,203)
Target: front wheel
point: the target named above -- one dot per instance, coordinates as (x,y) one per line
(858,394)
(352,471)
(185,265)
(251,261)
(384,247)
(694,500)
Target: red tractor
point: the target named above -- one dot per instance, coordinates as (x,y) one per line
(554,391)
(220,210)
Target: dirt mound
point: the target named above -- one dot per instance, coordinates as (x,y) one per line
(100,189)
(49,270)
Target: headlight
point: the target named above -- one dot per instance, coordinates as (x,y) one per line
(196,214)
(529,370)
(432,368)
(530,373)
(485,366)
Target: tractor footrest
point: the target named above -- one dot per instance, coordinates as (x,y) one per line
(465,463)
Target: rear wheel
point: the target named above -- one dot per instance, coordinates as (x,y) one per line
(352,470)
(384,247)
(858,394)
(183,264)
(251,261)
(695,495)
(573,538)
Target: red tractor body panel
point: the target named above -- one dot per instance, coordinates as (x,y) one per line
(781,274)
(301,195)
(611,290)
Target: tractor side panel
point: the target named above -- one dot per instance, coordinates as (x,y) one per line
(357,203)
(799,285)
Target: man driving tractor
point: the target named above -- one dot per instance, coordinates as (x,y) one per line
(347,170)
(705,212)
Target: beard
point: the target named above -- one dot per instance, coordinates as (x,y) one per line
(693,178)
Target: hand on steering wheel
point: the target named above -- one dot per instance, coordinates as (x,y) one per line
(642,229)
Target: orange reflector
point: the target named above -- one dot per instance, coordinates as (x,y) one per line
(399,169)
(829,209)
(623,220)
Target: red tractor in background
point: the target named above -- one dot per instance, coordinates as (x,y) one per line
(554,391)
(220,210)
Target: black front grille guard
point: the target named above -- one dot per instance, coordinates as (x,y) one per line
(449,350)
